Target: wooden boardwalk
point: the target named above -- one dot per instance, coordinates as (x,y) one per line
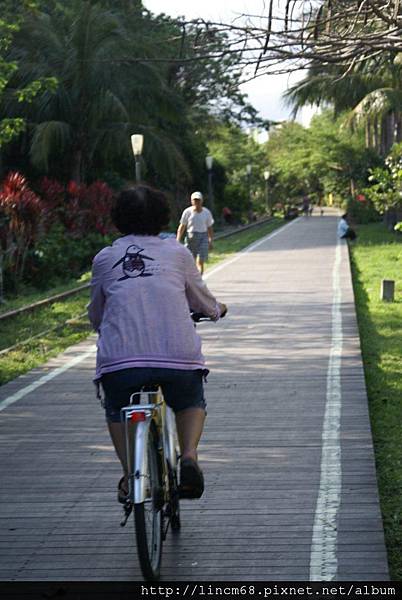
(287,452)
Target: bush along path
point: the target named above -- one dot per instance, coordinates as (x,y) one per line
(377,255)
(30,302)
(58,326)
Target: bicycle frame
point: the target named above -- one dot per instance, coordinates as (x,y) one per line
(137,419)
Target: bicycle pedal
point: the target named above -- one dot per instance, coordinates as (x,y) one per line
(128,507)
(159,498)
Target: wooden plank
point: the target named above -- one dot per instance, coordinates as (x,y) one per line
(261,451)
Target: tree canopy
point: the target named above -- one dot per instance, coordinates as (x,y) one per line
(117,72)
(293,34)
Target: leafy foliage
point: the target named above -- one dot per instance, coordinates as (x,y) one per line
(234,149)
(60,257)
(361,210)
(369,95)
(10,23)
(53,235)
(121,69)
(386,182)
(20,214)
(319,160)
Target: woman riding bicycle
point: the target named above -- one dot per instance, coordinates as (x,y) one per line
(142,289)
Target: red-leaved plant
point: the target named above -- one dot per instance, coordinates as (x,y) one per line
(88,208)
(81,208)
(53,195)
(100,198)
(20,219)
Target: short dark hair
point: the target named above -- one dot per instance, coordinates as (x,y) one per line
(142,210)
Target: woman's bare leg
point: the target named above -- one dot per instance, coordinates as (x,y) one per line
(189,424)
(116,431)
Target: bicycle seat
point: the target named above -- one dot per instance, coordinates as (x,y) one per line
(153,387)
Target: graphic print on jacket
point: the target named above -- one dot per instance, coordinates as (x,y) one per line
(133,263)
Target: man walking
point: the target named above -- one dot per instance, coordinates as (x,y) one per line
(196,221)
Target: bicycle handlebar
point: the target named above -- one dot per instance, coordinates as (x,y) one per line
(200,317)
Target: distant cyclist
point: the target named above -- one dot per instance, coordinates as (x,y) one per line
(141,291)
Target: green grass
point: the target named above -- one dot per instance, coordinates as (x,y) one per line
(50,344)
(35,353)
(377,255)
(30,295)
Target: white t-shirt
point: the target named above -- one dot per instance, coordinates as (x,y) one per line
(197,222)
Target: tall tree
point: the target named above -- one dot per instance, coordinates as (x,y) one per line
(321,159)
(122,70)
(71,42)
(10,23)
(371,95)
(289,36)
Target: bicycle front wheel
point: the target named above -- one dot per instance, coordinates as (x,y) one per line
(149,520)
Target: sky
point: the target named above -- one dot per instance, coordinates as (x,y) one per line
(264,93)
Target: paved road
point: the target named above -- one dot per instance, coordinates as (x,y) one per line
(287,452)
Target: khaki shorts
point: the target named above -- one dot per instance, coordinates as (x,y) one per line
(198,245)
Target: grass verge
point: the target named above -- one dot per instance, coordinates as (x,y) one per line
(377,255)
(37,351)
(30,295)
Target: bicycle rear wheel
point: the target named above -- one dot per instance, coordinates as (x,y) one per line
(148,518)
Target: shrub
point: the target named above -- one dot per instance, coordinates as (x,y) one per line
(385,190)
(53,236)
(237,200)
(57,257)
(20,218)
(81,208)
(361,210)
(88,208)
(53,195)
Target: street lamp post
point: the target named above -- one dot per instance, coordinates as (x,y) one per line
(250,202)
(209,161)
(137,142)
(266,177)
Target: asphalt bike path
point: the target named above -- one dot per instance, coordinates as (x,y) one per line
(291,491)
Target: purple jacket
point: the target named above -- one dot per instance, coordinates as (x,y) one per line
(142,289)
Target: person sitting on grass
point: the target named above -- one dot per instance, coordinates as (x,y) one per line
(345,232)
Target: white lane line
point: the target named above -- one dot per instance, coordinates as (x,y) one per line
(42,380)
(249,248)
(45,378)
(323,557)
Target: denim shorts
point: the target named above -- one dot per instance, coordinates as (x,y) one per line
(181,388)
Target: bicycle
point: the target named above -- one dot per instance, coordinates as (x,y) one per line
(152,460)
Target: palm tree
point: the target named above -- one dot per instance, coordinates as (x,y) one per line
(371,96)
(104,94)
(72,43)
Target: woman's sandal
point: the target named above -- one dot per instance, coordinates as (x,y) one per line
(122,491)
(191,479)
